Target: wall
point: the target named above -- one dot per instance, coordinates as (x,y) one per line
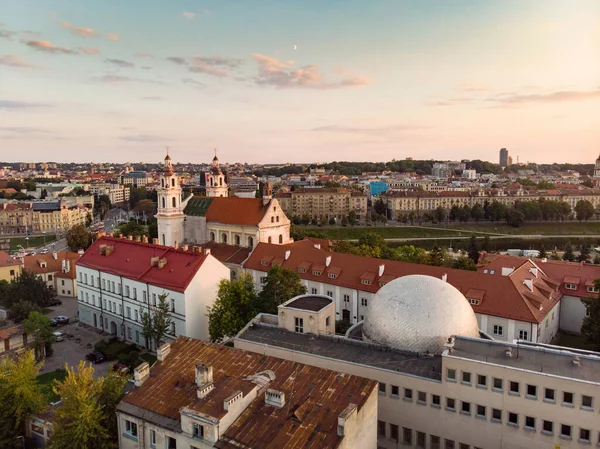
(313,322)
(195,229)
(361,430)
(65,287)
(548,328)
(5,272)
(572,313)
(231,231)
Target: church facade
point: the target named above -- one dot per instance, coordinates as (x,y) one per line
(217,217)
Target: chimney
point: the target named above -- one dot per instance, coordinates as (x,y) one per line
(130,237)
(287,254)
(155,241)
(544,260)
(445,277)
(154,261)
(138,238)
(197,249)
(508,352)
(163,352)
(145,239)
(204,374)
(507,270)
(141,374)
(449,344)
(103,250)
(176,244)
(327,261)
(275,398)
(184,247)
(161,263)
(55,255)
(109,249)
(381,269)
(343,417)
(206,251)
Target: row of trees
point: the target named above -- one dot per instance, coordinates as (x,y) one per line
(25,294)
(305,219)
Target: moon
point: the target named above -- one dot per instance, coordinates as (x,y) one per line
(295,47)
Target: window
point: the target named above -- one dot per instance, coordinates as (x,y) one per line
(137,336)
(327,322)
(299,325)
(131,428)
(435,400)
(571,286)
(463,446)
(565,431)
(448,444)
(129,333)
(394,433)
(263,279)
(103,284)
(330,293)
(592,289)
(408,394)
(586,402)
(173,328)
(451,375)
(381,428)
(145,295)
(395,391)
(548,427)
(549,395)
(224,238)
(172,304)
(49,277)
(523,335)
(128,312)
(450,404)
(421,439)
(465,408)
(513,419)
(313,291)
(237,240)
(152,438)
(531,392)
(584,435)
(198,430)
(127,290)
(316,272)
(331,275)
(498,330)
(514,388)
(434,442)
(366,281)
(153,299)
(466,378)
(567,398)
(497,384)
(481,411)
(346,298)
(137,315)
(407,436)
(529,423)
(496,415)
(481,381)
(421,397)
(382,388)
(363,302)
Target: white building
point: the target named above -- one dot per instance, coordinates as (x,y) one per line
(120,279)
(216,183)
(469,174)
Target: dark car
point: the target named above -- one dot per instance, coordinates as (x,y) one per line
(54,302)
(95,357)
(61,319)
(53,322)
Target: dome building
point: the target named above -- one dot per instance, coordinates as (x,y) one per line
(418,313)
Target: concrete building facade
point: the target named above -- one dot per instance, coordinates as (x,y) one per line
(334,202)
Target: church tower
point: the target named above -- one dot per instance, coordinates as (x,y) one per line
(170,213)
(597,169)
(267,193)
(216,185)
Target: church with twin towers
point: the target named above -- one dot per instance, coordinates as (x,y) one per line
(216,217)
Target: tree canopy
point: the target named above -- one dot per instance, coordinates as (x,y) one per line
(27,293)
(39,333)
(78,237)
(280,285)
(591,323)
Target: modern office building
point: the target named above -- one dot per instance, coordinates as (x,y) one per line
(504,157)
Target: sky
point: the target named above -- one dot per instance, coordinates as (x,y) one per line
(299,80)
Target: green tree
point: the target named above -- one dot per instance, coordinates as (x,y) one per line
(597,259)
(464,263)
(39,333)
(27,293)
(161,319)
(352,217)
(591,323)
(332,221)
(103,205)
(584,253)
(545,185)
(20,396)
(147,324)
(584,210)
(568,254)
(588,183)
(380,207)
(20,310)
(145,206)
(280,285)
(371,239)
(487,244)
(235,306)
(543,252)
(473,249)
(437,257)
(78,237)
(88,220)
(440,214)
(515,218)
(477,213)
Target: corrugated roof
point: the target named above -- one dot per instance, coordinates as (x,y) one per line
(197,206)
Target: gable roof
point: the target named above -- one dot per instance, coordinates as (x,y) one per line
(225,253)
(503,296)
(7,261)
(234,210)
(34,263)
(315,397)
(131,260)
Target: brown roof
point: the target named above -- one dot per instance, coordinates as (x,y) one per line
(504,295)
(312,303)
(315,397)
(7,261)
(228,253)
(10,331)
(34,263)
(233,210)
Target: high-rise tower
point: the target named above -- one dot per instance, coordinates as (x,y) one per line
(504,157)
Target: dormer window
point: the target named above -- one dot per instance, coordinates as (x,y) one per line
(43,264)
(331,275)
(591,289)
(317,273)
(198,430)
(571,286)
(264,263)
(301,270)
(365,281)
(474,302)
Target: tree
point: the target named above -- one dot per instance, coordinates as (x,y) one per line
(20,396)
(568,254)
(473,249)
(477,213)
(352,217)
(25,294)
(161,319)
(440,214)
(87,413)
(38,330)
(584,253)
(584,210)
(514,218)
(588,183)
(487,245)
(464,263)
(280,285)
(332,221)
(543,252)
(235,306)
(147,324)
(437,256)
(88,220)
(145,206)
(545,185)
(103,205)
(380,207)
(591,323)
(597,259)
(78,237)
(21,310)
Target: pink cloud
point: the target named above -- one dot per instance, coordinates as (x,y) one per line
(113,36)
(79,31)
(49,47)
(15,61)
(188,14)
(89,51)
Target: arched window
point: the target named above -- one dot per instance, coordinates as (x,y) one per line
(220,181)
(272,219)
(277,219)
(163,240)
(212,236)
(274,208)
(211,182)
(280,239)
(173,182)
(237,240)
(224,238)
(250,242)
(164,203)
(162,182)
(269,240)
(174,202)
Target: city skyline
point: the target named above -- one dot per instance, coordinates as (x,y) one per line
(300,81)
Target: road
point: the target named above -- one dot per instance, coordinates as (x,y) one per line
(496,237)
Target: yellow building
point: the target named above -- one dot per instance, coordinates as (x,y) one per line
(10,267)
(35,217)
(335,202)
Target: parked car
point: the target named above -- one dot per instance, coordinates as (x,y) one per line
(121,369)
(61,319)
(95,357)
(55,302)
(58,336)
(44,251)
(53,322)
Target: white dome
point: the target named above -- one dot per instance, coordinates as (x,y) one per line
(418,313)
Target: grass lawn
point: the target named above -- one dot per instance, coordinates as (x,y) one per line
(554,228)
(150,358)
(33,242)
(387,232)
(46,380)
(577,342)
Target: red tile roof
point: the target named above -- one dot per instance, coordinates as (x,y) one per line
(233,210)
(504,295)
(34,263)
(131,260)
(7,260)
(315,397)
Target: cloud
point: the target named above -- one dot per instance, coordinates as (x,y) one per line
(369,131)
(188,15)
(113,36)
(143,55)
(49,47)
(211,65)
(553,97)
(6,34)
(117,79)
(89,51)
(193,82)
(79,31)
(23,130)
(177,60)
(119,62)
(20,105)
(152,98)
(15,61)
(277,73)
(473,87)
(143,138)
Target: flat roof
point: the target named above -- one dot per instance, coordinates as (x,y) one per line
(341,348)
(312,303)
(540,358)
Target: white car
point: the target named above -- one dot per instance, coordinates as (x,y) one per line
(58,336)
(44,251)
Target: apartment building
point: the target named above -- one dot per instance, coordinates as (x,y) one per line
(10,268)
(335,202)
(120,279)
(45,216)
(136,179)
(202,395)
(56,269)
(464,393)
(115,192)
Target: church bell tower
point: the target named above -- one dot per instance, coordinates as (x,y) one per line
(170,215)
(216,184)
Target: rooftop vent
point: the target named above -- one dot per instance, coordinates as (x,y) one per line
(176,244)
(317,245)
(155,241)
(228,402)
(204,374)
(275,398)
(288,253)
(327,261)
(544,260)
(197,249)
(445,277)
(162,262)
(130,237)
(55,255)
(145,239)
(381,269)
(528,283)
(163,352)
(154,261)
(206,251)
(185,247)
(534,271)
